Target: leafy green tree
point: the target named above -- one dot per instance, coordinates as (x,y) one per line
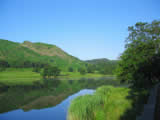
(90,68)
(82,71)
(54,71)
(45,72)
(139,64)
(27,64)
(4,64)
(51,72)
(36,69)
(105,70)
(70,69)
(79,69)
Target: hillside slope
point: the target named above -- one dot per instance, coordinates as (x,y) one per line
(17,54)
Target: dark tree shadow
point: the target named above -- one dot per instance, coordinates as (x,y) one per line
(139,97)
(157,109)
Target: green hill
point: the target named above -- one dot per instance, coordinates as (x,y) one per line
(101,61)
(28,53)
(104,65)
(98,61)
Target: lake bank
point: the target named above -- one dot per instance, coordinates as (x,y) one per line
(108,103)
(25,76)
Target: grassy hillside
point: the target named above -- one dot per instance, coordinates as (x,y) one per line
(18,54)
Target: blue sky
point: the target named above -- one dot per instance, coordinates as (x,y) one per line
(86,29)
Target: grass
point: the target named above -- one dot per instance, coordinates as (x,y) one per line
(77,75)
(107,103)
(13,76)
(19,76)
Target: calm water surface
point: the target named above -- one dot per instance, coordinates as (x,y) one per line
(47,101)
(59,112)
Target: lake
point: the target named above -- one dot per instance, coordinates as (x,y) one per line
(49,100)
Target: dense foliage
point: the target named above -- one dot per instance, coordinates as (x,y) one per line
(51,72)
(103,66)
(82,71)
(91,68)
(70,69)
(139,64)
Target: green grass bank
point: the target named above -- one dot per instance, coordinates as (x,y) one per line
(25,76)
(108,103)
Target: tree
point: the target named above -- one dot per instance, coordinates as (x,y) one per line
(51,71)
(70,69)
(82,71)
(45,72)
(36,69)
(54,71)
(4,64)
(106,70)
(90,68)
(139,64)
(27,64)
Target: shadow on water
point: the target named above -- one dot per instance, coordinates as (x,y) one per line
(45,94)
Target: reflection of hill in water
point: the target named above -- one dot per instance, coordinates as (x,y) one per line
(45,101)
(48,94)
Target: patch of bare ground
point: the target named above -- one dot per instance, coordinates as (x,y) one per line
(44,50)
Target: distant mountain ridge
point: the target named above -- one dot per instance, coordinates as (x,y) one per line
(94,61)
(104,65)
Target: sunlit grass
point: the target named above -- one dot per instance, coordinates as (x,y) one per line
(26,76)
(78,75)
(107,103)
(19,76)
